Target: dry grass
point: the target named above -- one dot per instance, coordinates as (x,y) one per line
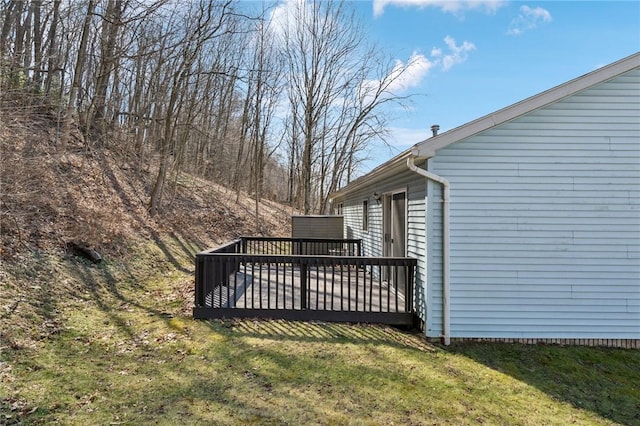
(97,196)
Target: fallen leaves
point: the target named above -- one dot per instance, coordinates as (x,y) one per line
(13,411)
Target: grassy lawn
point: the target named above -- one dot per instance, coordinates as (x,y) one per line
(122,349)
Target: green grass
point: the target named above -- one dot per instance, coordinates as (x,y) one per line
(123,350)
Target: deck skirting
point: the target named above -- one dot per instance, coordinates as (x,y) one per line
(391,318)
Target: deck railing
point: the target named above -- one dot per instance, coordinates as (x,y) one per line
(301,246)
(293,278)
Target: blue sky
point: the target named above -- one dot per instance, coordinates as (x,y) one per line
(476,57)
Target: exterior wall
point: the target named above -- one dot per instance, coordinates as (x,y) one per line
(545,222)
(372,239)
(433,237)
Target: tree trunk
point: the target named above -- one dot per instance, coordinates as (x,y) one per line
(77,78)
(108,63)
(37,46)
(8,23)
(52,67)
(158,187)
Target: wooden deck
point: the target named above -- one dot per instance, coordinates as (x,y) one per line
(238,280)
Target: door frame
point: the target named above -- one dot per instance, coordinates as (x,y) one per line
(388,218)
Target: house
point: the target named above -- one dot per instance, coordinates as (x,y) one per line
(525,222)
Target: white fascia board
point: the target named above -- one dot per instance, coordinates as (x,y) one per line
(387,169)
(429,147)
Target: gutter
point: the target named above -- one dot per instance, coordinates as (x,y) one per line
(385,170)
(446,328)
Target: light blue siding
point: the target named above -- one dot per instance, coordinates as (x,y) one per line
(545,222)
(434,327)
(373,238)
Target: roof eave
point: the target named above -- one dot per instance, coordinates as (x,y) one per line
(429,147)
(381,172)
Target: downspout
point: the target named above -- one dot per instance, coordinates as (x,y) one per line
(445,244)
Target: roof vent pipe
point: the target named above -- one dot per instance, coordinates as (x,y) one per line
(434,129)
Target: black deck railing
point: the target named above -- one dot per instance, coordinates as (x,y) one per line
(304,279)
(300,246)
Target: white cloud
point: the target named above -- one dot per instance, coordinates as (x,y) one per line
(283,16)
(410,74)
(457,54)
(528,19)
(404,76)
(447,6)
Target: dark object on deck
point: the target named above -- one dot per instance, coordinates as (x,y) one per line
(83,250)
(316,226)
(288,278)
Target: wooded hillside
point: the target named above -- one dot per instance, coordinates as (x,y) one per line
(56,206)
(281,102)
(98,196)
(145,131)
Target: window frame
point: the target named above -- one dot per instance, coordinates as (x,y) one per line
(365,215)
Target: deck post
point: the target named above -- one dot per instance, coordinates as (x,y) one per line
(408,300)
(199,290)
(303,285)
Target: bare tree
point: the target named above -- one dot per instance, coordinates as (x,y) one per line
(52,55)
(276,109)
(338,87)
(111,24)
(264,84)
(210,21)
(77,76)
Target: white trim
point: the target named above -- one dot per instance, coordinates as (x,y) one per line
(446,320)
(428,148)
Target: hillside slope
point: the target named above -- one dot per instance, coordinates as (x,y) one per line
(51,201)
(100,195)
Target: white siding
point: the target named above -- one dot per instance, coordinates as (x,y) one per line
(372,239)
(545,222)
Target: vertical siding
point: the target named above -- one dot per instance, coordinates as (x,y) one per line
(373,238)
(545,221)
